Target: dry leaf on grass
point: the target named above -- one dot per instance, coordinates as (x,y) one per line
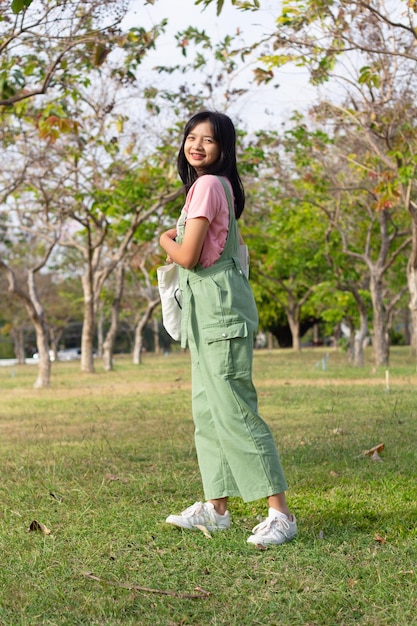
(203,530)
(38,526)
(379,539)
(56,496)
(372,451)
(376,457)
(114,477)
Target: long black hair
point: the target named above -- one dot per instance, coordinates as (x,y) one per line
(225,135)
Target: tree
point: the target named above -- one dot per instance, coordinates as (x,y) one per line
(286,234)
(59,42)
(36,312)
(367,50)
(371,240)
(62,44)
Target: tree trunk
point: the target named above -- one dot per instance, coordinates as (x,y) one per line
(42,343)
(18,338)
(359,341)
(155,325)
(294,324)
(316,334)
(54,338)
(87,335)
(37,317)
(351,340)
(359,336)
(108,344)
(380,342)
(292,312)
(407,331)
(137,347)
(412,285)
(100,330)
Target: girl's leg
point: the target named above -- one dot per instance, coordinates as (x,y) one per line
(220,504)
(279,503)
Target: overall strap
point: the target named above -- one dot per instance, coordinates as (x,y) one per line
(232,240)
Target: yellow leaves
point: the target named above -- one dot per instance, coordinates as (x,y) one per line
(277,60)
(262,76)
(100,54)
(290,14)
(53,126)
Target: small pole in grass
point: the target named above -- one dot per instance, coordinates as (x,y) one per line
(387,380)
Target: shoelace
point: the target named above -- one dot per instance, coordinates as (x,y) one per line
(265,526)
(195,509)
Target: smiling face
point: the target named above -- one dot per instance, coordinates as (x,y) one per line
(200,148)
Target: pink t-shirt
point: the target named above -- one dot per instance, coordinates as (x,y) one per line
(207,198)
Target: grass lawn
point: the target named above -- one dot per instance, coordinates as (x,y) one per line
(100,460)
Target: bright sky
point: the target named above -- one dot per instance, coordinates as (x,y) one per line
(264,107)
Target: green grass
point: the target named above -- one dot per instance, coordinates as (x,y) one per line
(102,459)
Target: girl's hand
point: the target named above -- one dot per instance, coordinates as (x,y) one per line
(171,233)
(188,252)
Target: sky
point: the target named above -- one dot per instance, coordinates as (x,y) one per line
(264,107)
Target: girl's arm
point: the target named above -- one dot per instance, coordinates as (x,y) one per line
(187,254)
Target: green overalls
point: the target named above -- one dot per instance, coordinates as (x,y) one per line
(236,452)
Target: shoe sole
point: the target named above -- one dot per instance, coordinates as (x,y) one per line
(191,527)
(265,544)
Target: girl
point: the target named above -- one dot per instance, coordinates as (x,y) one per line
(235,448)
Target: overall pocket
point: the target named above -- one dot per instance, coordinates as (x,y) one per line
(227,348)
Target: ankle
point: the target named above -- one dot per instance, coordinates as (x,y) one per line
(285,512)
(220,506)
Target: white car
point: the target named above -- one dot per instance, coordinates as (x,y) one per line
(69,354)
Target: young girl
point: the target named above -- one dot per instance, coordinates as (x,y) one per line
(235,448)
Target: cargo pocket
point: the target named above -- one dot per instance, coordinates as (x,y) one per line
(222,332)
(225,348)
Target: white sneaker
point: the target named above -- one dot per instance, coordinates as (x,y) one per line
(276,528)
(200,514)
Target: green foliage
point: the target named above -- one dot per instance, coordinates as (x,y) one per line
(19,5)
(370,76)
(6,344)
(243,5)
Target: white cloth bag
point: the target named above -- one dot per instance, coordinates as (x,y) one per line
(169,290)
